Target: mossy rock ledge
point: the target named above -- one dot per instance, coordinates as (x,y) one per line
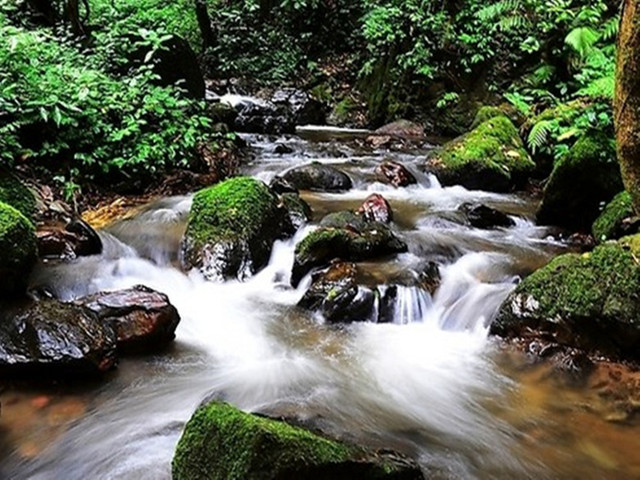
(618,219)
(589,301)
(491,157)
(345,236)
(13,192)
(18,251)
(232,227)
(221,442)
(586,177)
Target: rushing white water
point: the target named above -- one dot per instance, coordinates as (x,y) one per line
(425,384)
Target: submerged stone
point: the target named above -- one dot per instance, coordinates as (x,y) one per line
(490,157)
(481,216)
(221,442)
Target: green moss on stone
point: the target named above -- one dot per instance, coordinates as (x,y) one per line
(585,177)
(238,207)
(221,442)
(492,157)
(590,300)
(16,194)
(18,250)
(608,224)
(486,112)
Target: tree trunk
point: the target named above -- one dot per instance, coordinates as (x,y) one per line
(204,22)
(627,99)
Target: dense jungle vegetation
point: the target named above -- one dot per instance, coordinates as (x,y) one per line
(84,105)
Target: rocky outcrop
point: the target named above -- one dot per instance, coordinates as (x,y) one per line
(394,173)
(585,177)
(18,251)
(51,339)
(231,229)
(221,442)
(588,301)
(376,208)
(301,107)
(618,219)
(256,116)
(318,177)
(402,129)
(144,320)
(298,211)
(491,157)
(481,216)
(344,236)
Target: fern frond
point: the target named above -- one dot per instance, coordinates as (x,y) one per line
(610,29)
(600,88)
(582,40)
(539,134)
(498,9)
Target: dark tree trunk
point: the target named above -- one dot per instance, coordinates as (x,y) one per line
(204,22)
(627,99)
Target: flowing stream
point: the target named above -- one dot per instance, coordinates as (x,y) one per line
(430,384)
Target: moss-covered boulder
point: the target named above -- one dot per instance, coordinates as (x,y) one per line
(221,442)
(487,112)
(232,227)
(586,177)
(590,301)
(298,210)
(618,219)
(344,236)
(490,157)
(16,194)
(18,250)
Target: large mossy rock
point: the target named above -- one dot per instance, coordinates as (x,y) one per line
(18,251)
(617,220)
(345,236)
(221,442)
(490,157)
(51,340)
(13,192)
(231,229)
(586,177)
(590,301)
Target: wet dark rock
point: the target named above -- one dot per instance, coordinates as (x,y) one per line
(283,149)
(401,129)
(18,251)
(376,208)
(393,173)
(280,186)
(586,177)
(52,339)
(77,239)
(318,177)
(336,295)
(344,236)
(232,227)
(144,320)
(586,301)
(481,216)
(298,211)
(15,193)
(273,449)
(262,117)
(220,112)
(302,108)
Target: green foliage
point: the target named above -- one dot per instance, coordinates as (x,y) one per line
(62,112)
(277,41)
